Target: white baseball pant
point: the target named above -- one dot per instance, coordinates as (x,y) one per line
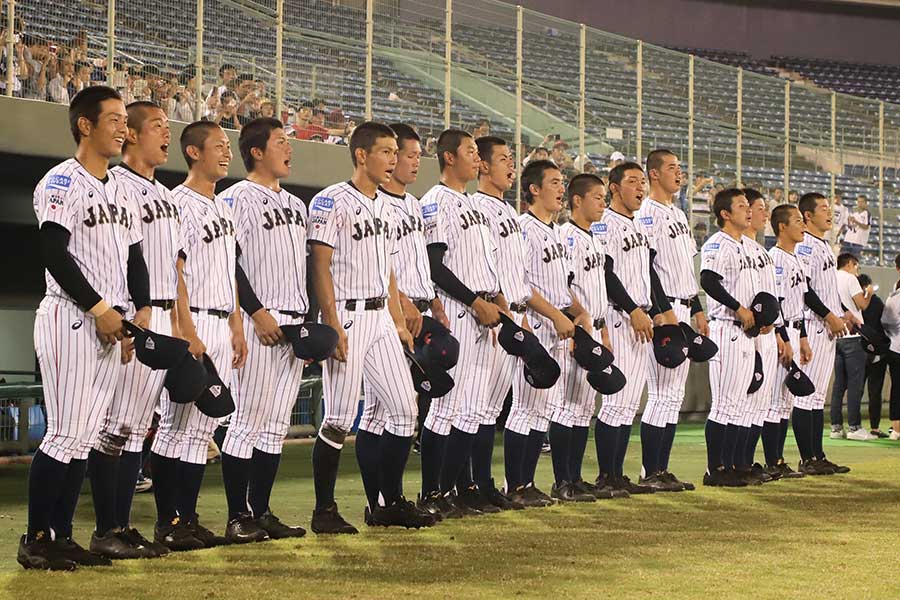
(782,398)
(576,404)
(460,408)
(137,396)
(79,376)
(531,408)
(264,395)
(665,387)
(374,353)
(821,367)
(730,372)
(184,432)
(504,370)
(761,399)
(633,360)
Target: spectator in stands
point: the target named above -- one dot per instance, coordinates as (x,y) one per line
(82,78)
(890,320)
(615,159)
(185,96)
(267,109)
(793,197)
(310,124)
(227,76)
(850,357)
(537,153)
(226,111)
(839,214)
(777,196)
(78,49)
(558,154)
(482,129)
(876,363)
(58,88)
(19,64)
(38,57)
(248,98)
(858,227)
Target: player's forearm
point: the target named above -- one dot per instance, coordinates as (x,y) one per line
(394,302)
(615,291)
(183,305)
(576,309)
(814,303)
(65,271)
(235,321)
(657,292)
(712,285)
(445,279)
(246,295)
(138,277)
(540,305)
(323,284)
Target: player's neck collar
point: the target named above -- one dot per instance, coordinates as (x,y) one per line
(483,193)
(580,228)
(350,183)
(615,212)
(811,234)
(536,218)
(391,194)
(125,166)
(92,176)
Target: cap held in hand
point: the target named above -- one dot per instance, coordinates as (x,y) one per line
(155,350)
(669,345)
(311,341)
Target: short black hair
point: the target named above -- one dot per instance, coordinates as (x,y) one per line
(225,67)
(724,201)
(897,261)
(781,215)
(137,114)
(617,173)
(86,103)
(863,196)
(151,70)
(846,258)
(864,280)
(255,134)
(581,184)
(195,135)
(752,195)
(533,174)
(244,77)
(655,158)
(366,134)
(404,132)
(486,145)
(808,203)
(449,141)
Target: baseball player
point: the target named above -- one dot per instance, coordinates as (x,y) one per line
(116,457)
(208,318)
(586,261)
(791,287)
(674,250)
(461,255)
(270,232)
(94,267)
(824,325)
(629,257)
(417,297)
(765,344)
(352,235)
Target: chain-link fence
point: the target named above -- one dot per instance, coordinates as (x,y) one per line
(558,88)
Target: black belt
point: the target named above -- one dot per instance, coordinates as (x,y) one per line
(367,304)
(797,324)
(680,301)
(421,305)
(732,321)
(518,307)
(163,304)
(599,324)
(622,310)
(119,310)
(294,314)
(213,312)
(486,296)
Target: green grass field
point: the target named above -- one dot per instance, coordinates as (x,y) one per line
(807,538)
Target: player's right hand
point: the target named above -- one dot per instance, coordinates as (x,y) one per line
(411,315)
(836,325)
(564,327)
(487,313)
(805,351)
(267,329)
(642,325)
(127,350)
(196,346)
(109,326)
(340,351)
(745,316)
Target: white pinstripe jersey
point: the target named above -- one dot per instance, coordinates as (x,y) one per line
(411,266)
(670,237)
(627,242)
(270,228)
(734,261)
(99,218)
(207,231)
(158,220)
(763,264)
(458,221)
(586,261)
(546,266)
(509,244)
(821,268)
(361,231)
(790,282)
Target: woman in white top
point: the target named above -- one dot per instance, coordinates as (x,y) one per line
(890,319)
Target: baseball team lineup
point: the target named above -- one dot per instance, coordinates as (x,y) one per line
(193,304)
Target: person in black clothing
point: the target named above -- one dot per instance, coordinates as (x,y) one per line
(876,364)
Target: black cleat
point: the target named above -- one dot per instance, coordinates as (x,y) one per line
(501,500)
(451,499)
(567,492)
(622,482)
(115,546)
(604,484)
(812,466)
(585,487)
(209,539)
(176,537)
(329,521)
(660,483)
(243,529)
(43,553)
(473,498)
(432,505)
(722,478)
(71,550)
(401,513)
(786,471)
(746,474)
(526,498)
(764,474)
(134,537)
(836,468)
(670,477)
(532,491)
(276,529)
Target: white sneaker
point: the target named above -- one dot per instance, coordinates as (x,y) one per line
(895,435)
(837,434)
(860,435)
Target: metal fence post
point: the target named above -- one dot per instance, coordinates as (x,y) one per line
(10,47)
(881,183)
(833,138)
(198,64)
(738,166)
(448,58)
(582,89)
(519,157)
(370,47)
(111,43)
(639,125)
(787,138)
(690,156)
(279,55)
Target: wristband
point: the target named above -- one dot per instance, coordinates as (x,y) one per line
(99,308)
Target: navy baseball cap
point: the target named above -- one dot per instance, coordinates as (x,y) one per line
(186,380)
(700,348)
(799,382)
(873,343)
(311,341)
(156,350)
(215,400)
(758,375)
(607,381)
(435,346)
(515,340)
(590,354)
(669,345)
(765,309)
(540,369)
(429,382)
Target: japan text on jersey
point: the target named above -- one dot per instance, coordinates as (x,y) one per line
(821,268)
(627,242)
(731,260)
(586,263)
(101,222)
(790,282)
(411,267)
(361,230)
(546,266)
(509,243)
(674,247)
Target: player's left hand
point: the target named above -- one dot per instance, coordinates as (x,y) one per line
(127,350)
(785,352)
(412,316)
(239,347)
(406,338)
(766,330)
(142,317)
(805,351)
(438,314)
(584,321)
(604,339)
(267,329)
(701,324)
